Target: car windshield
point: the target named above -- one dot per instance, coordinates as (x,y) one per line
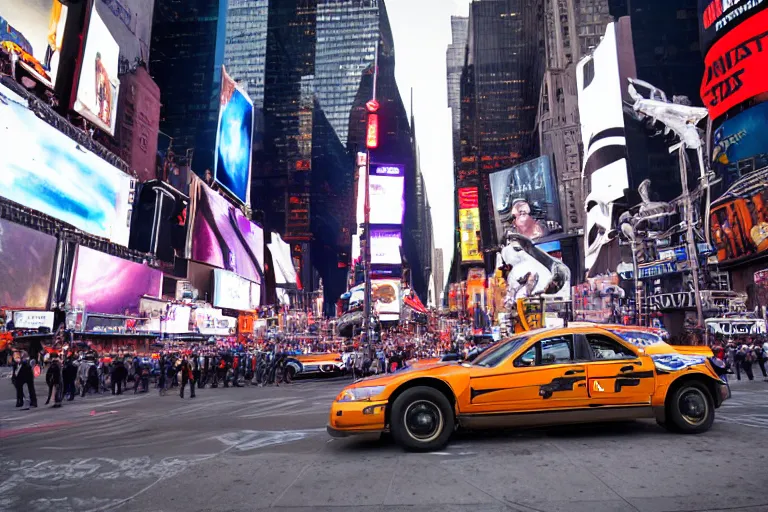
(495,355)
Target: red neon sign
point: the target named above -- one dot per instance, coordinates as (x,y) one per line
(372,137)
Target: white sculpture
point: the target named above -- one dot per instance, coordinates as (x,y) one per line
(677,117)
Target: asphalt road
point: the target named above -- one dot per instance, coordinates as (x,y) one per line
(266,448)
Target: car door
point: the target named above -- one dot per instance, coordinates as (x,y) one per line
(617,375)
(545,376)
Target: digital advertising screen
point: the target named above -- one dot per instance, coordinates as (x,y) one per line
(525,200)
(385,298)
(103,283)
(469,230)
(98,85)
(34,30)
(234,139)
(231,291)
(718,17)
(385,246)
(49,172)
(221,236)
(26,265)
(386,199)
(740,143)
(735,66)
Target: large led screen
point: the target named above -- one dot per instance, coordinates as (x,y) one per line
(34,30)
(385,297)
(386,199)
(385,246)
(107,284)
(741,143)
(525,200)
(222,237)
(231,291)
(99,86)
(51,173)
(734,68)
(234,139)
(718,17)
(26,264)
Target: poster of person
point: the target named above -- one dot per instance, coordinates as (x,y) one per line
(98,87)
(525,200)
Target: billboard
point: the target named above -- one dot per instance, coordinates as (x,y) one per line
(739,219)
(741,143)
(51,173)
(601,111)
(385,298)
(531,272)
(107,284)
(734,68)
(221,236)
(232,167)
(98,86)
(385,246)
(718,17)
(387,199)
(525,200)
(26,265)
(469,225)
(231,291)
(34,30)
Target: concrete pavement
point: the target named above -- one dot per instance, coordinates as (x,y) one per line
(266,448)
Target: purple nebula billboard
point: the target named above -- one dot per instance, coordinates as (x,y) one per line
(107,284)
(221,236)
(26,264)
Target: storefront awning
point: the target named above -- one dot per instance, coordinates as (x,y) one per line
(415,304)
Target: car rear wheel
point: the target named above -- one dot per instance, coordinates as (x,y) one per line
(422,419)
(690,409)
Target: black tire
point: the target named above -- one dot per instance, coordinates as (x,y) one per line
(290,374)
(422,419)
(690,409)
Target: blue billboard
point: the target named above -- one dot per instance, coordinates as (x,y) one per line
(234,139)
(51,173)
(740,144)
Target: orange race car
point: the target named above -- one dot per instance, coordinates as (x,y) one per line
(543,377)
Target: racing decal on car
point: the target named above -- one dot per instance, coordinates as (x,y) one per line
(559,384)
(676,362)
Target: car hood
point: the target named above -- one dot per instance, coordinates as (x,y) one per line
(383,380)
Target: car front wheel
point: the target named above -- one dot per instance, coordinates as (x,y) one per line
(691,409)
(422,419)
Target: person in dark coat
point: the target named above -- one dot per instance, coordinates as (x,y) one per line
(119,374)
(53,378)
(69,378)
(24,376)
(187,376)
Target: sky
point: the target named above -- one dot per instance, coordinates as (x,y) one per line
(422,33)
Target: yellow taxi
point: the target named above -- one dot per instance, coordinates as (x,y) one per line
(591,373)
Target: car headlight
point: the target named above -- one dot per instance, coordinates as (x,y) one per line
(358,394)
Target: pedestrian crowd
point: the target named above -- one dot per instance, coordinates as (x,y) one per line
(740,356)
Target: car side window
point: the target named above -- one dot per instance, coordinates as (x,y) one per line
(557,350)
(528,358)
(604,348)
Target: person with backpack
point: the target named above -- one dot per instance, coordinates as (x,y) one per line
(53,378)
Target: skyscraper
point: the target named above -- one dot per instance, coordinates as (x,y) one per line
(186,55)
(245,48)
(347,31)
(455,57)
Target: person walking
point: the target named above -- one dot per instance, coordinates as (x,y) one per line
(187,377)
(760,356)
(53,378)
(25,376)
(69,375)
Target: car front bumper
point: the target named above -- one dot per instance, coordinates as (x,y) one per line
(351,418)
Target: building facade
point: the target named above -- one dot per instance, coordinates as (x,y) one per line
(245,47)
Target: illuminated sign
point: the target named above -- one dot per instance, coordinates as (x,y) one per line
(657,269)
(386,199)
(735,66)
(469,230)
(385,246)
(389,170)
(468,198)
(718,17)
(372,133)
